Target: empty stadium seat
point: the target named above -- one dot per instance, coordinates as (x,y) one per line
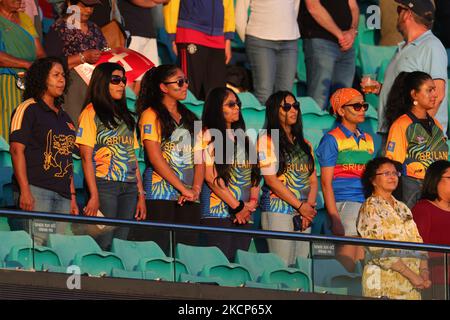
(309,105)
(147,256)
(211,262)
(253,118)
(313,121)
(84,252)
(330,273)
(193,104)
(33,258)
(375,58)
(9,239)
(248,100)
(98,263)
(269,268)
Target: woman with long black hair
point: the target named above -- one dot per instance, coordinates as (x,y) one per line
(415,139)
(107,140)
(287,165)
(172,181)
(230,194)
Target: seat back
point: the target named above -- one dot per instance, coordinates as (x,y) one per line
(97,264)
(195,258)
(9,239)
(67,247)
(40,256)
(132,251)
(257,263)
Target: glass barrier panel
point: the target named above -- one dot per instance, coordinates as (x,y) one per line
(16,245)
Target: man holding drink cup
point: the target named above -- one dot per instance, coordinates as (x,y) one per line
(421,51)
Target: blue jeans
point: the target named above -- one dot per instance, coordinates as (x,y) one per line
(273,63)
(118,200)
(45,201)
(327,69)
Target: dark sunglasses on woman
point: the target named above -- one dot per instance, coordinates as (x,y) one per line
(358,106)
(115,79)
(179,82)
(287,106)
(233,104)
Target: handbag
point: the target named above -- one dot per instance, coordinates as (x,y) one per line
(113,31)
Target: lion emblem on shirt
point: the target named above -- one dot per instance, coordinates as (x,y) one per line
(58,145)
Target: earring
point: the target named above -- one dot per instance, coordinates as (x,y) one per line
(415,103)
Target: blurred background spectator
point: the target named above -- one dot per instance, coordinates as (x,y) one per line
(19,47)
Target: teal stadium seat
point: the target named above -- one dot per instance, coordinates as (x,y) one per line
(309,105)
(210,262)
(85,252)
(98,263)
(9,239)
(193,104)
(36,258)
(6,172)
(269,268)
(330,273)
(254,119)
(147,256)
(248,100)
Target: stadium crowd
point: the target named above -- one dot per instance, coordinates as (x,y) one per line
(219,175)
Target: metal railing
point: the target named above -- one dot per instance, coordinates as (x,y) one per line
(173,228)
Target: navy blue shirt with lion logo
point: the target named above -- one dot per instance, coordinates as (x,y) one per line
(49,140)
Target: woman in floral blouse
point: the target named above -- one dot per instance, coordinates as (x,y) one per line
(78,40)
(391,273)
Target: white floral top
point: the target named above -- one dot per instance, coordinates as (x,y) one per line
(379,220)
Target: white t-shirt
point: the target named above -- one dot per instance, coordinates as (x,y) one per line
(268,19)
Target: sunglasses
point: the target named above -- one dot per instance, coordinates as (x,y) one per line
(358,106)
(179,82)
(233,104)
(287,106)
(115,79)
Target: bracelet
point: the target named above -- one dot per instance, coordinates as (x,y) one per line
(253,199)
(82,58)
(298,209)
(237,209)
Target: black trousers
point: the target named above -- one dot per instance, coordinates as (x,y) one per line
(204,66)
(228,243)
(169,212)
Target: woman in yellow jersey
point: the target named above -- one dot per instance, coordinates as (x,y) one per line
(107,139)
(415,139)
(172,181)
(290,181)
(230,194)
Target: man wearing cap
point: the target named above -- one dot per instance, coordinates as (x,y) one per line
(343,153)
(421,51)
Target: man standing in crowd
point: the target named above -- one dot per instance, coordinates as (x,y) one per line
(201,33)
(421,51)
(328,29)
